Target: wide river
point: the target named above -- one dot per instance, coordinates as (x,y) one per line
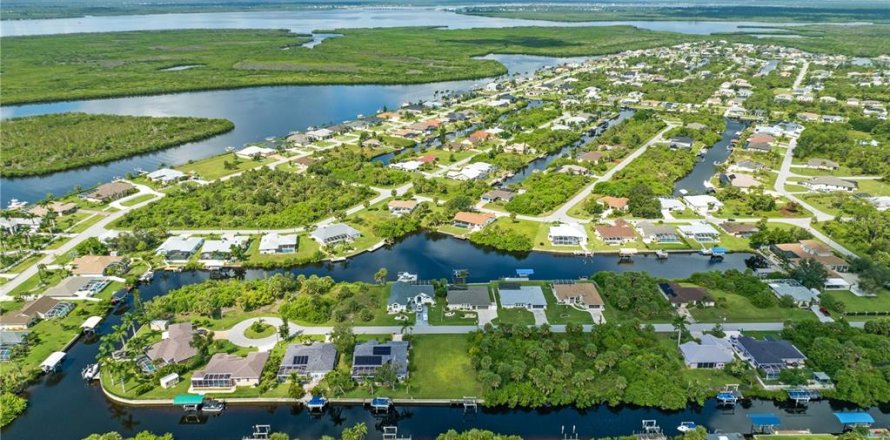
(262,112)
(62,406)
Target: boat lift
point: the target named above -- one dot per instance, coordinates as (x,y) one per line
(89,326)
(53,362)
(718,253)
(764,423)
(625,254)
(392,433)
(852,420)
(729,396)
(316,403)
(802,396)
(651,431)
(260,432)
(381,404)
(468,403)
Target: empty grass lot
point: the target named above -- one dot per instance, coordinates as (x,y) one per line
(879,303)
(737,308)
(214,167)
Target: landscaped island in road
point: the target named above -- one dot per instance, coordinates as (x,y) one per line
(136,61)
(49,143)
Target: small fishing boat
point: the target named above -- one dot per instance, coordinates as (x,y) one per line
(686,426)
(683,192)
(146,277)
(15,204)
(211,406)
(661,255)
(90,372)
(407,277)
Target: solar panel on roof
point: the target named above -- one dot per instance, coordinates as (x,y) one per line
(368,360)
(382,350)
(301,360)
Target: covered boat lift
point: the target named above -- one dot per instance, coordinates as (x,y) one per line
(188,402)
(53,362)
(89,326)
(852,420)
(764,423)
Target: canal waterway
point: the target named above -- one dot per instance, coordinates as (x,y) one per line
(62,406)
(257,112)
(694,182)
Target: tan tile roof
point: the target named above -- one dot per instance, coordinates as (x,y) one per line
(586,291)
(615,202)
(90,264)
(408,204)
(473,218)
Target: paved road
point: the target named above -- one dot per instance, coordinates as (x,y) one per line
(782,178)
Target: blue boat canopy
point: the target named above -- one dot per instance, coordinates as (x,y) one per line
(188,399)
(380,401)
(719,250)
(317,400)
(525,272)
(764,419)
(857,418)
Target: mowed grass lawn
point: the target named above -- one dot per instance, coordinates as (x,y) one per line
(737,308)
(214,167)
(439,368)
(879,303)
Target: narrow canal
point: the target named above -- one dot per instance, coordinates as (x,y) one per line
(694,182)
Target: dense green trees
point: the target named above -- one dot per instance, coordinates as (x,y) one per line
(544,192)
(49,143)
(502,238)
(351,166)
(857,360)
(533,367)
(260,198)
(766,235)
(658,168)
(632,132)
(636,293)
(864,229)
(209,298)
(839,143)
(545,140)
(642,202)
(11,406)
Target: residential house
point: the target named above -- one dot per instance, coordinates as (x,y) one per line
(335,233)
(829,184)
(584,295)
(255,151)
(669,204)
(700,232)
(369,356)
(473,221)
(739,180)
(401,207)
(741,230)
(770,355)
(468,297)
(109,192)
(404,297)
(216,252)
(685,296)
(473,171)
(58,208)
(498,194)
(29,314)
(684,142)
(657,233)
(175,345)
(273,243)
(9,340)
(479,136)
(614,203)
(709,352)
(311,362)
(823,164)
(98,265)
(166,176)
(618,233)
(319,134)
(573,169)
(567,234)
(801,296)
(514,295)
(13,225)
(703,203)
(519,148)
(225,372)
(593,157)
(748,165)
(179,249)
(758,147)
(78,286)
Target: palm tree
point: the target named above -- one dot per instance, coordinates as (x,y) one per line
(680,323)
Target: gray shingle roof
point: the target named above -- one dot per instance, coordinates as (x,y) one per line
(317,358)
(471,295)
(401,293)
(370,355)
(770,351)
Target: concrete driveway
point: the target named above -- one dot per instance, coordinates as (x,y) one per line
(488,315)
(236,335)
(540,316)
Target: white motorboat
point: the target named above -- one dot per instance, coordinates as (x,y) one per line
(90,372)
(211,406)
(15,204)
(406,277)
(683,192)
(686,426)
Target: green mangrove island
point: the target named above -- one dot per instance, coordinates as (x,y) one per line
(49,143)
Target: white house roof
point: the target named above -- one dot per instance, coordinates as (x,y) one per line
(793,289)
(698,229)
(180,244)
(568,230)
(710,350)
(224,245)
(702,201)
(165,175)
(333,230)
(667,203)
(272,241)
(253,150)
